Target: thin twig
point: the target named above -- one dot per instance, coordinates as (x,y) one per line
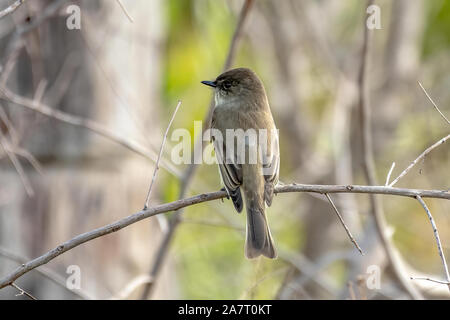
(16,163)
(388,177)
(11,8)
(125,10)
(438,240)
(344,225)
(14,137)
(31,159)
(420,157)
(434,104)
(9,126)
(160,154)
(22,292)
(182,203)
(429,279)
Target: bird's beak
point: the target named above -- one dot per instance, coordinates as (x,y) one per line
(210,83)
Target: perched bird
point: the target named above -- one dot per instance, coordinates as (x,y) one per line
(241,105)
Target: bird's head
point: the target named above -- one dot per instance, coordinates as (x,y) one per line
(241,83)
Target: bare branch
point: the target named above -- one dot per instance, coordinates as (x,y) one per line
(22,292)
(87,124)
(160,154)
(11,8)
(420,157)
(47,273)
(15,141)
(429,279)
(9,126)
(31,159)
(432,102)
(344,225)
(438,240)
(12,156)
(369,165)
(237,33)
(182,203)
(125,10)
(388,177)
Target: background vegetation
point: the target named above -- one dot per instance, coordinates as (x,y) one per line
(129,76)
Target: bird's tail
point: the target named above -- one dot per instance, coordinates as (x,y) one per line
(258,238)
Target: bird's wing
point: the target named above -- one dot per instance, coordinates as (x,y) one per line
(271,167)
(230,172)
(271,159)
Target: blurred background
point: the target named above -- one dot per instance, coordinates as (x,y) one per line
(125,69)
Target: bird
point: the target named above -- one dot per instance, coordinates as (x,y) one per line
(241,105)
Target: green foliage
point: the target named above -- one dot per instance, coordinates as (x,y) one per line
(437,29)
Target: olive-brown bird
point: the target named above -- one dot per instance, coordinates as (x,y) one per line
(241,103)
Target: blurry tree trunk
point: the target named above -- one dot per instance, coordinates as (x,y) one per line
(108,71)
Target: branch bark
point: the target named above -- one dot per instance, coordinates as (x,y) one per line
(182,203)
(11,8)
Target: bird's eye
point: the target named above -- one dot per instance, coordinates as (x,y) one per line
(227,85)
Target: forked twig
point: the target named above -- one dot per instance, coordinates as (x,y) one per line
(22,292)
(429,279)
(16,163)
(420,157)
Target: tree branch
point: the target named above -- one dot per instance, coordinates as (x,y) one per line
(11,8)
(46,273)
(369,165)
(125,10)
(438,240)
(182,203)
(420,157)
(22,292)
(433,103)
(84,123)
(155,171)
(352,239)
